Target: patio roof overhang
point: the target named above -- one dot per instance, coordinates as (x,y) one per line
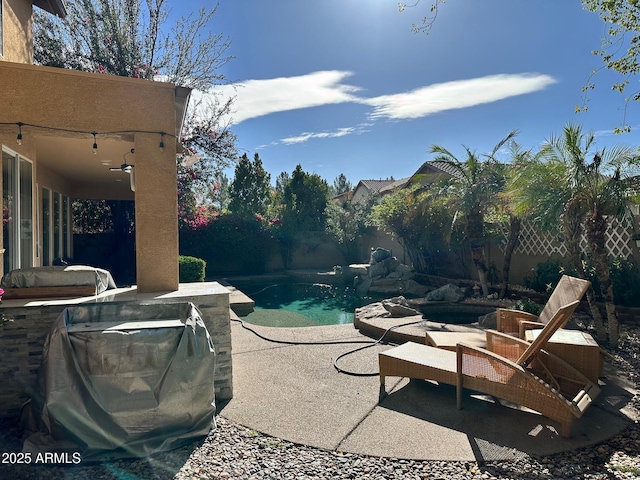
(59,115)
(55,7)
(115,107)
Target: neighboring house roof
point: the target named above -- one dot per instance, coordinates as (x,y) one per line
(55,7)
(343,197)
(392,186)
(374,186)
(437,167)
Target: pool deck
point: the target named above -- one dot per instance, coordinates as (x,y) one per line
(294,393)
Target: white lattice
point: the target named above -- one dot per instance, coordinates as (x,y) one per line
(534,242)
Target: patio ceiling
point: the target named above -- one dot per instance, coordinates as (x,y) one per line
(88,174)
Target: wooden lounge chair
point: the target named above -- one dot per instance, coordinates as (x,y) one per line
(515,322)
(509,368)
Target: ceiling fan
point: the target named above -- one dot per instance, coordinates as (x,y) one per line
(125,167)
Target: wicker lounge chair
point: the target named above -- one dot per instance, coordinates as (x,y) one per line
(509,368)
(515,322)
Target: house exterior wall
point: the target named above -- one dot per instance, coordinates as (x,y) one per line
(17,31)
(92,102)
(361,194)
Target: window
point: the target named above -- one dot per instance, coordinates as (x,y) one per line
(17,211)
(47,227)
(56,227)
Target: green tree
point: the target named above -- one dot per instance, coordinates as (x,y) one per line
(347,223)
(421,219)
(567,188)
(340,185)
(131,38)
(298,212)
(518,159)
(249,191)
(305,199)
(474,187)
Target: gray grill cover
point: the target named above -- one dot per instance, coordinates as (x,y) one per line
(124,380)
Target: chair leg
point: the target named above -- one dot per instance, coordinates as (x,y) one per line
(459,377)
(383,391)
(565,429)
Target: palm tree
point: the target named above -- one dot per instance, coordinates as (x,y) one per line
(519,159)
(474,186)
(607,196)
(562,187)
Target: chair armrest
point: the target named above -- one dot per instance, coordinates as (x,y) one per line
(528,325)
(508,320)
(505,345)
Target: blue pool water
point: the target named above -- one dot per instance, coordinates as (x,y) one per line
(309,304)
(303,304)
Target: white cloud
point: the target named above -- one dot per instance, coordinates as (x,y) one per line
(256,98)
(441,97)
(341,132)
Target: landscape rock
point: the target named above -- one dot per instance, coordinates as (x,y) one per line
(363,288)
(361,269)
(378,255)
(387,286)
(446,293)
(405,271)
(383,268)
(398,307)
(488,321)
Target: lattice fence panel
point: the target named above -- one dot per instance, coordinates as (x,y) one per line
(533,242)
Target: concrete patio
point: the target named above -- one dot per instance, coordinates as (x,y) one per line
(293,392)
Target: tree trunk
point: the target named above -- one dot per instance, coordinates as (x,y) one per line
(572,224)
(596,234)
(512,243)
(475,234)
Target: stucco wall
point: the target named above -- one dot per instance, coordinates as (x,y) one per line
(82,101)
(18,36)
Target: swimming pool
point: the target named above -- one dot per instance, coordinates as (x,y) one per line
(303,304)
(289,304)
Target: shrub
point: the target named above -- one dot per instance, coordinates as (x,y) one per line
(626,282)
(229,245)
(546,275)
(191,269)
(527,305)
(625,277)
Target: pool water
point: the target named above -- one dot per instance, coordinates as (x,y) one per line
(303,304)
(311,304)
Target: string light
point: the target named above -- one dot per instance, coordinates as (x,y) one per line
(19,137)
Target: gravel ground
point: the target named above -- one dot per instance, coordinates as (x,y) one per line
(235,452)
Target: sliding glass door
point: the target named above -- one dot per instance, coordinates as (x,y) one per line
(17,211)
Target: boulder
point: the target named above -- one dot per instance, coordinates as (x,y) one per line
(361,269)
(398,307)
(411,287)
(363,288)
(404,271)
(389,286)
(378,255)
(447,293)
(488,321)
(383,268)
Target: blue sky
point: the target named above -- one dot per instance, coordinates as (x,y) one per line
(345,86)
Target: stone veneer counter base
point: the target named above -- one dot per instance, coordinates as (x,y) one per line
(26,323)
